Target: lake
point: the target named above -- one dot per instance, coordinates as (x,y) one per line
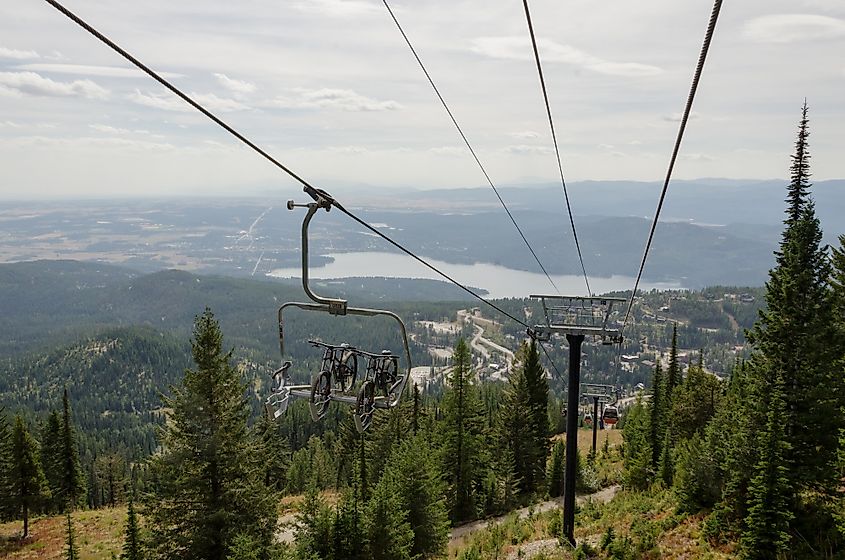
(500,281)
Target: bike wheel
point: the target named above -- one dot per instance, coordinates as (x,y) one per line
(321,395)
(366,405)
(389,376)
(348,370)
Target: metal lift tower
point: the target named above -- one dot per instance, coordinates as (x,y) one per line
(576,317)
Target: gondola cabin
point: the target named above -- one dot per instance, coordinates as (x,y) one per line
(611,415)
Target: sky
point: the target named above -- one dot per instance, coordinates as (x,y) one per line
(330,89)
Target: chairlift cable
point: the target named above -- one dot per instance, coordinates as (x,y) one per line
(309,188)
(554,140)
(467,143)
(711,26)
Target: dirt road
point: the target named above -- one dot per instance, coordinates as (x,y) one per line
(603,496)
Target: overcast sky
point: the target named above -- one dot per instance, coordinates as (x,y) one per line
(329,87)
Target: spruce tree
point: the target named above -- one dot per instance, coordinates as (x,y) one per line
(766,532)
(6,469)
(555,476)
(462,449)
(51,458)
(71,477)
(538,404)
(208,480)
(794,339)
(673,374)
(72,551)
(417,480)
(132,538)
(389,537)
(29,484)
(523,421)
(657,425)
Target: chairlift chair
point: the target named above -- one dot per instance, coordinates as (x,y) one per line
(338,380)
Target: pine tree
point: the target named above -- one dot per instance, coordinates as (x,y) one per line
(72,552)
(523,421)
(770,496)
(538,404)
(275,451)
(6,468)
(388,533)
(314,534)
(209,477)
(51,458)
(794,339)
(637,449)
(657,425)
(416,479)
(462,448)
(555,476)
(71,477)
(673,374)
(29,484)
(132,538)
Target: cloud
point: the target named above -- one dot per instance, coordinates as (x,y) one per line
(169,102)
(108,129)
(791,28)
(523,150)
(91,70)
(16,54)
(343,99)
(451,151)
(519,48)
(89,142)
(676,117)
(233,85)
(339,8)
(31,83)
(525,135)
(697,157)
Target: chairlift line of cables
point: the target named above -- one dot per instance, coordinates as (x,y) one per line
(554,140)
(702,57)
(466,141)
(307,186)
(311,189)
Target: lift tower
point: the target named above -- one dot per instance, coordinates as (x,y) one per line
(577,318)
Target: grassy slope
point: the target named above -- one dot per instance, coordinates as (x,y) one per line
(99,535)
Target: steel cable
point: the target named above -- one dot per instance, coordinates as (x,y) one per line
(702,57)
(467,143)
(308,187)
(557,149)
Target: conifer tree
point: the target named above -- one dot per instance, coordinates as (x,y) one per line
(556,469)
(637,449)
(657,425)
(29,484)
(209,477)
(72,551)
(314,537)
(71,477)
(673,374)
(132,538)
(770,509)
(389,535)
(792,341)
(523,422)
(51,458)
(6,468)
(462,448)
(416,478)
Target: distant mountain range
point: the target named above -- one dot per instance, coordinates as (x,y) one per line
(712,231)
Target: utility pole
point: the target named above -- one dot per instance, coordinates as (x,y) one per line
(576,317)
